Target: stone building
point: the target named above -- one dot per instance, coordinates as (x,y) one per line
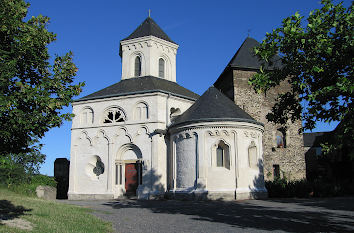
(283,151)
(148,136)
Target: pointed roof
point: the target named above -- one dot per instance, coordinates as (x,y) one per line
(213,106)
(245,57)
(141,85)
(149,28)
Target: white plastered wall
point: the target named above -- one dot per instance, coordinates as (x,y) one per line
(203,139)
(150,49)
(94,138)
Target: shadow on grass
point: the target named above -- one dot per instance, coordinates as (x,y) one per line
(9,211)
(263,215)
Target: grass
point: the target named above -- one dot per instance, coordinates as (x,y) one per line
(48,216)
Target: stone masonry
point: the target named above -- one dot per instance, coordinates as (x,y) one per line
(291,160)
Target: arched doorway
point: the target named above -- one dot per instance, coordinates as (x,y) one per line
(128,170)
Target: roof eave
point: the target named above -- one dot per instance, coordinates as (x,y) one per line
(135,93)
(191,121)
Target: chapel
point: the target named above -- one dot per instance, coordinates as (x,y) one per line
(147,136)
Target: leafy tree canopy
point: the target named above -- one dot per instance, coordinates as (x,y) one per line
(317,62)
(33,91)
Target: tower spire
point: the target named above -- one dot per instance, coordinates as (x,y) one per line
(149,13)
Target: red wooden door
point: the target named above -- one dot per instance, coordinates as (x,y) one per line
(131,178)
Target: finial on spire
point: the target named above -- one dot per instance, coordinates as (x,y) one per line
(248,32)
(149,13)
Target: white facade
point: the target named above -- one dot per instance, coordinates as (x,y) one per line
(125,144)
(118,143)
(193,160)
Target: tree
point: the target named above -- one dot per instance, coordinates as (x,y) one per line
(317,62)
(33,91)
(20,168)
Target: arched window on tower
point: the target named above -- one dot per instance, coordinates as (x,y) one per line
(161,68)
(137,66)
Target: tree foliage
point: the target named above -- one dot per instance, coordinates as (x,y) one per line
(33,91)
(317,61)
(20,168)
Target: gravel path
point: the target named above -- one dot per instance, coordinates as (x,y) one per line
(280,215)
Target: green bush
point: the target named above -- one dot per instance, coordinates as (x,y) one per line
(305,188)
(285,188)
(29,188)
(44,180)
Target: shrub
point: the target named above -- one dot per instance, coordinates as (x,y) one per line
(304,188)
(43,180)
(29,188)
(285,188)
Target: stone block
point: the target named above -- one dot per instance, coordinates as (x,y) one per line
(46,192)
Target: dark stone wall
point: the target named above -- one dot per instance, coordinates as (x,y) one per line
(291,159)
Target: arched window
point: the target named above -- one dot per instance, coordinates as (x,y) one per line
(137,66)
(141,112)
(161,68)
(222,155)
(281,138)
(113,115)
(87,116)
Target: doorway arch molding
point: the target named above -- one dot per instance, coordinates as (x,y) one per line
(126,148)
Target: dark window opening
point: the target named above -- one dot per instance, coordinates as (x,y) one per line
(117,174)
(281,138)
(280,142)
(99,169)
(114,115)
(219,157)
(137,70)
(161,68)
(120,174)
(276,171)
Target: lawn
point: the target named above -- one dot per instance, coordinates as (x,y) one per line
(46,216)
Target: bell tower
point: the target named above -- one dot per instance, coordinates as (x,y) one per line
(148,51)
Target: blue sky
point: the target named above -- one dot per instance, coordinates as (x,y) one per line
(208,33)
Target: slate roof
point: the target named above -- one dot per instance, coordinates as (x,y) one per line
(245,58)
(213,106)
(149,28)
(140,85)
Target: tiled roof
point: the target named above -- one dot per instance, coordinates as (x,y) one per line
(213,106)
(245,58)
(140,85)
(149,28)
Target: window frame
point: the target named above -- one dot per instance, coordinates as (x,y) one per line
(114,110)
(224,148)
(137,66)
(162,68)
